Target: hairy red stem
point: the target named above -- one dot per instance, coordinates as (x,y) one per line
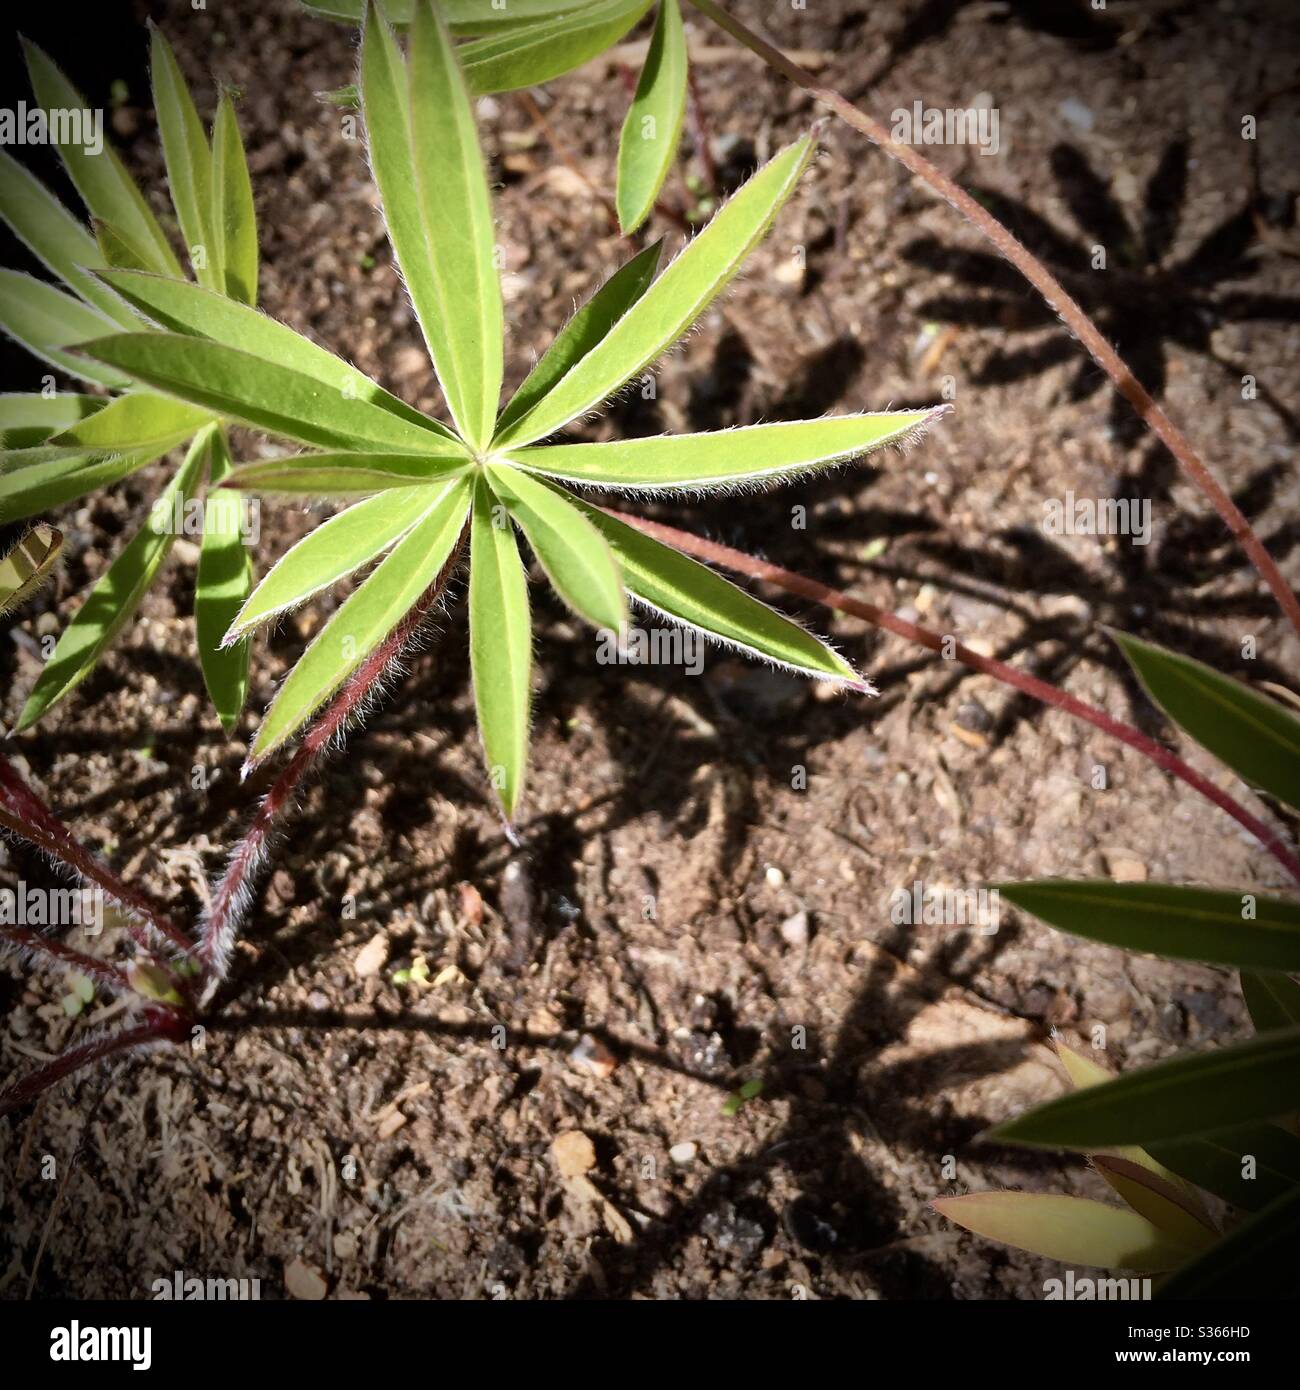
(1038,275)
(222,918)
(1032,686)
(102,971)
(49,833)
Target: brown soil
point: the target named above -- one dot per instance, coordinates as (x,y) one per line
(396,1138)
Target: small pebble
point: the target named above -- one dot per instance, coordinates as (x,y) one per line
(684,1152)
(794,929)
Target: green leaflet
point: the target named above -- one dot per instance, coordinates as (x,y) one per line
(342,475)
(1248,930)
(38,489)
(259,392)
(654,120)
(29,419)
(1074,1230)
(221,588)
(1167,1205)
(106,188)
(196,312)
(500,645)
(535,53)
(584,330)
(45,321)
(118,252)
(1273,1000)
(691,593)
(460,240)
(117,595)
(672,303)
(51,233)
(234,219)
(1255,1260)
(1189,1095)
(462,16)
(576,557)
(1257,737)
(726,456)
(134,423)
(189,161)
(367,617)
(331,552)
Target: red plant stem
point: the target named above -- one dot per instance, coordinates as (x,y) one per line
(1037,689)
(102,971)
(50,834)
(1069,310)
(157,1028)
(222,919)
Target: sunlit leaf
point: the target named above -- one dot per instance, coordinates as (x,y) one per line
(341,475)
(672,303)
(654,120)
(134,423)
(221,588)
(463,16)
(1166,1205)
(232,204)
(500,645)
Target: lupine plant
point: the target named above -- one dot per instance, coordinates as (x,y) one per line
(57,446)
(1223,1120)
(429,489)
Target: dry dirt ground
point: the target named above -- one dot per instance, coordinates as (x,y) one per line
(682,901)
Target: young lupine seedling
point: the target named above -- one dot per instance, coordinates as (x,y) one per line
(57,446)
(523,43)
(1224,1120)
(430,491)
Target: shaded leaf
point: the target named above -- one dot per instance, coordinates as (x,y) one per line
(1166,1205)
(221,588)
(1273,1000)
(38,489)
(1249,1165)
(463,16)
(46,321)
(27,564)
(27,419)
(1255,1260)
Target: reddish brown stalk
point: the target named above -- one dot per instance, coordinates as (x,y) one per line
(1039,690)
(230,899)
(1073,315)
(158,1027)
(101,971)
(48,833)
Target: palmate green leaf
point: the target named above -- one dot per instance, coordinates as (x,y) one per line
(341,475)
(221,588)
(233,216)
(1273,1000)
(671,304)
(464,17)
(1257,1259)
(186,308)
(654,120)
(500,645)
(189,161)
(1188,1095)
(31,491)
(1218,1163)
(261,393)
(28,419)
(1250,930)
(584,330)
(46,321)
(106,188)
(1257,737)
(460,240)
(1074,1230)
(674,585)
(535,53)
(576,557)
(134,423)
(27,564)
(331,552)
(54,236)
(117,595)
(367,616)
(723,457)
